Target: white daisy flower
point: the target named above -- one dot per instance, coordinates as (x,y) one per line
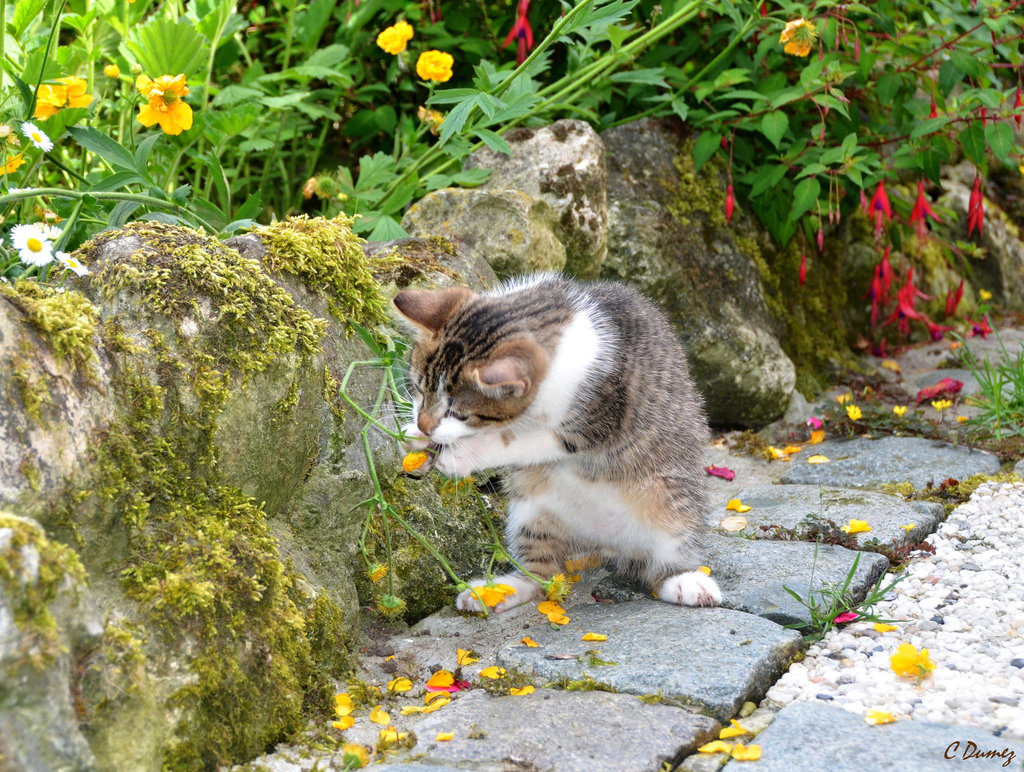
(37,136)
(71,263)
(34,242)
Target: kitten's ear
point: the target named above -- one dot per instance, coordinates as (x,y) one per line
(430,309)
(512,369)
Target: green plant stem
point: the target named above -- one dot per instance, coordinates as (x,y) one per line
(343,389)
(3,39)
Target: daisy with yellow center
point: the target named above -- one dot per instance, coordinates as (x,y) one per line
(34,243)
(71,263)
(799,35)
(166,104)
(37,137)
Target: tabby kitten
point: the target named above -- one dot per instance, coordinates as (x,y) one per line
(581,393)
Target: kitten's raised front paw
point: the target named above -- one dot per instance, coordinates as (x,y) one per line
(524,590)
(690,589)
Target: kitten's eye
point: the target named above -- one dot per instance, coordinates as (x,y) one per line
(452,414)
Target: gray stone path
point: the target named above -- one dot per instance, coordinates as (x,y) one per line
(667,677)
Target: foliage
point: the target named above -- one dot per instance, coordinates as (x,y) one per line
(1000,399)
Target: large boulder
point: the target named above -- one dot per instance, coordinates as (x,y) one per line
(667,233)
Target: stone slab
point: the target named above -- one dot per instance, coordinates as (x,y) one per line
(820,737)
(711,659)
(867,463)
(788,505)
(753,575)
(558,730)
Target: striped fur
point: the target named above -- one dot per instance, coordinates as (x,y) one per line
(582,395)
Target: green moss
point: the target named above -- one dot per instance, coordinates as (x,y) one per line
(31,472)
(287,403)
(328,257)
(951,496)
(65,319)
(31,587)
(34,392)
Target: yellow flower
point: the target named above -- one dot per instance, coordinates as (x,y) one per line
(443,737)
(379,716)
(911,663)
(817,459)
(343,723)
(899,410)
(435,65)
(553,611)
(856,526)
(354,756)
(962,419)
(842,399)
(342,704)
(395,38)
(166,104)
(528,641)
(432,118)
(984,295)
(892,364)
(732,731)
(735,505)
(881,627)
(559,587)
(465,657)
(876,717)
(494,672)
(112,71)
(854,412)
(742,752)
(70,93)
(941,404)
(13,163)
(413,461)
(594,637)
(704,570)
(493,594)
(908,527)
(390,736)
(378,571)
(715,746)
(799,35)
(521,692)
(400,684)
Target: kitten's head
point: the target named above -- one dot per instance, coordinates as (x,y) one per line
(470,369)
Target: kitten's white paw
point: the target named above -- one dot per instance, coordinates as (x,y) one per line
(691,589)
(525,590)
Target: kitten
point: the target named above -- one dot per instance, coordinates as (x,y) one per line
(581,393)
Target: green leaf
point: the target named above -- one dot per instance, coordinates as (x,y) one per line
(288,100)
(119,214)
(966,63)
(949,76)
(470,178)
(774,126)
(165,47)
(143,150)
(103,146)
(999,137)
(767,179)
(117,180)
(972,139)
(494,141)
(928,126)
(25,12)
(455,120)
(707,143)
(387,229)
(805,194)
(251,208)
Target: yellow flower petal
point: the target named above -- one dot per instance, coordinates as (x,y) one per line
(414,461)
(342,704)
(441,679)
(594,637)
(907,661)
(432,696)
(899,410)
(881,627)
(390,736)
(735,505)
(773,452)
(408,710)
(493,672)
(789,450)
(733,523)
(443,737)
(732,731)
(817,436)
(817,459)
(962,419)
(892,364)
(437,704)
(379,716)
(465,657)
(520,692)
(715,746)
(742,752)
(354,756)
(908,527)
(550,606)
(984,295)
(854,412)
(842,399)
(343,723)
(856,526)
(400,684)
(528,641)
(704,570)
(876,717)
(558,619)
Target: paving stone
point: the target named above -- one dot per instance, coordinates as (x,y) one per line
(558,730)
(711,659)
(820,737)
(867,463)
(787,505)
(753,575)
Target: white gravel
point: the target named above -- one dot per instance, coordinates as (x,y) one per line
(965,604)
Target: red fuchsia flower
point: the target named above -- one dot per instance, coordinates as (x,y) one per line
(821,239)
(880,286)
(730,203)
(801,275)
(946,388)
(1018,103)
(879,208)
(921,210)
(979,328)
(521,32)
(976,208)
(906,297)
(934,112)
(984,116)
(936,331)
(953,299)
(720,471)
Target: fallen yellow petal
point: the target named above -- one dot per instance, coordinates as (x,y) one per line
(594,637)
(732,731)
(441,679)
(431,696)
(881,627)
(773,452)
(856,526)
(414,461)
(521,692)
(391,735)
(962,419)
(715,746)
(343,723)
(400,684)
(493,671)
(733,523)
(437,704)
(876,717)
(342,704)
(408,710)
(550,606)
(443,737)
(789,450)
(817,436)
(742,752)
(558,619)
(817,459)
(735,505)
(465,657)
(892,364)
(379,716)
(704,570)
(528,641)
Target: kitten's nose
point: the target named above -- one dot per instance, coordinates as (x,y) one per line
(427,423)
